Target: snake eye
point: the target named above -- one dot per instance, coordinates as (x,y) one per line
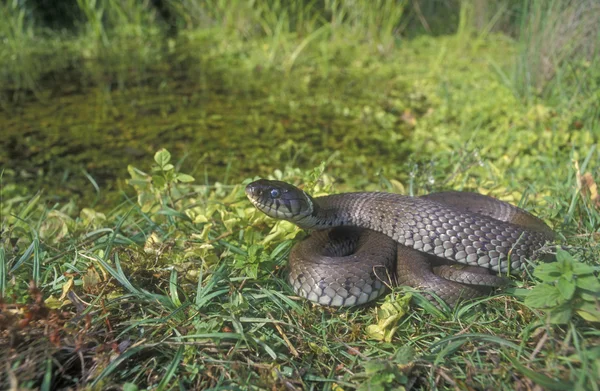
(275,193)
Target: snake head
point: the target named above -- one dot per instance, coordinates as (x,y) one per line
(280,200)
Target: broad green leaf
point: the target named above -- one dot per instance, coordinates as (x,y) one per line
(158,181)
(89,216)
(130,387)
(382,375)
(146,200)
(374,366)
(589,282)
(404,355)
(543,296)
(566,288)
(589,297)
(162,157)
(185,178)
(564,256)
(561,314)
(137,174)
(138,182)
(580,268)
(589,311)
(321,349)
(547,272)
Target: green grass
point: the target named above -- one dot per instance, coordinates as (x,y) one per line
(132,276)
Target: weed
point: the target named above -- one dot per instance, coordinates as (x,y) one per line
(568,287)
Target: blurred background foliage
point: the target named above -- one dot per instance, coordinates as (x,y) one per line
(240,87)
(185,285)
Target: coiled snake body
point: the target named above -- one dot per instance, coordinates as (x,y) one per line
(352,264)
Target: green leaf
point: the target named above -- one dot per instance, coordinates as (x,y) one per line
(543,296)
(589,311)
(381,375)
(130,387)
(561,314)
(589,297)
(567,274)
(168,167)
(566,288)
(564,256)
(590,283)
(146,200)
(548,272)
(185,178)
(373,384)
(162,157)
(374,366)
(404,355)
(580,268)
(159,181)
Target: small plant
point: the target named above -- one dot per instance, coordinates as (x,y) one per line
(568,287)
(164,174)
(255,263)
(389,373)
(161,186)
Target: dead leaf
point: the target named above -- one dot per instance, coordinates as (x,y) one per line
(589,188)
(409,118)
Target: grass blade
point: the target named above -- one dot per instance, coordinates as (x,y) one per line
(23,257)
(540,379)
(171,370)
(173,288)
(110,368)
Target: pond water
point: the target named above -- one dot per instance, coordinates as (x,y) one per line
(226,129)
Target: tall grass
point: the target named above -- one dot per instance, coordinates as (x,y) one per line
(17,35)
(553,35)
(287,30)
(373,21)
(122,39)
(557,42)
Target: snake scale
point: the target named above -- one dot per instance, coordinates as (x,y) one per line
(363,242)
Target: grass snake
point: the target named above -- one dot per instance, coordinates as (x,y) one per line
(442,243)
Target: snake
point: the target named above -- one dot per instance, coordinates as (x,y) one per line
(453,245)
